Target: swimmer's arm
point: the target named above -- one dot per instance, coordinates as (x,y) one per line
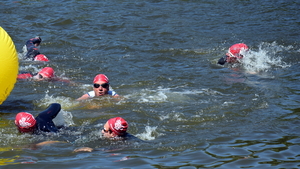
(86,149)
(48,142)
(52,111)
(83,97)
(222,60)
(113,94)
(62,80)
(38,145)
(116,95)
(36,41)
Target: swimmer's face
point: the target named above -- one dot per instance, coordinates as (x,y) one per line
(26,130)
(100,88)
(40,77)
(232,60)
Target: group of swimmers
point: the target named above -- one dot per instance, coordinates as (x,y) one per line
(26,123)
(115,127)
(33,54)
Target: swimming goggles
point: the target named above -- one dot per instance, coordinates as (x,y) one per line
(104,85)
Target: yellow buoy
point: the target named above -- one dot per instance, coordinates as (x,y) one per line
(9,65)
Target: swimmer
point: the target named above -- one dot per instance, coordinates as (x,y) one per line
(32,47)
(100,88)
(234,54)
(26,123)
(46,74)
(115,129)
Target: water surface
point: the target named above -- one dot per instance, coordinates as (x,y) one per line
(161,57)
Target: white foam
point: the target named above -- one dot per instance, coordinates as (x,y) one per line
(29,68)
(64,118)
(66,102)
(177,94)
(151,96)
(148,134)
(265,58)
(175,116)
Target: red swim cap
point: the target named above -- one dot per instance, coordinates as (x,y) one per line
(236,49)
(118,125)
(101,77)
(41,57)
(25,121)
(47,72)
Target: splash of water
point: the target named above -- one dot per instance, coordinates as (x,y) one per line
(267,57)
(66,102)
(151,96)
(148,134)
(29,68)
(64,118)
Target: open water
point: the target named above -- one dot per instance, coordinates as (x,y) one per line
(160,55)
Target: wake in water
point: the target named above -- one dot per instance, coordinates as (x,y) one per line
(268,56)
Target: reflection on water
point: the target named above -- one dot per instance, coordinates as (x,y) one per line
(187,111)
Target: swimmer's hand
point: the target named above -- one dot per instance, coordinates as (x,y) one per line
(87,149)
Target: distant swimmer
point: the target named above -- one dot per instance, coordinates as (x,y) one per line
(100,88)
(234,54)
(33,52)
(27,123)
(41,57)
(46,73)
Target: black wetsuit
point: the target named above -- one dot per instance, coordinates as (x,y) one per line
(32,50)
(44,119)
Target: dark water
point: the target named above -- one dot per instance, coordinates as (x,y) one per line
(161,57)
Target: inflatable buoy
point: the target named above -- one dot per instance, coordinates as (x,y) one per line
(8,161)
(9,65)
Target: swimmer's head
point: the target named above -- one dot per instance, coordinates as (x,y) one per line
(237,50)
(101,78)
(47,72)
(101,85)
(118,125)
(41,57)
(25,122)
